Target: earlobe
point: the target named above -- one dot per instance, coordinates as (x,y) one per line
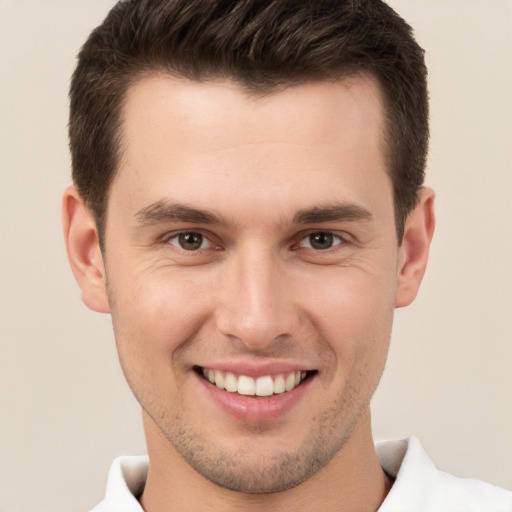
(413,252)
(83,249)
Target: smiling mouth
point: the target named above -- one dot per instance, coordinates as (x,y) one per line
(266,385)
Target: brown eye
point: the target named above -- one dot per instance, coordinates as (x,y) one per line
(189,241)
(320,240)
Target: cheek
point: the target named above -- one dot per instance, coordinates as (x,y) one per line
(154,315)
(352,309)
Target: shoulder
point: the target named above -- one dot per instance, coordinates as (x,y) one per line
(421,487)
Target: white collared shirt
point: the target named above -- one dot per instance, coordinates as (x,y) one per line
(419,486)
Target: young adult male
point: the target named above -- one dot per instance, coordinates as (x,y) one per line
(249,207)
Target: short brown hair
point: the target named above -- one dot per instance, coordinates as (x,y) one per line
(262,45)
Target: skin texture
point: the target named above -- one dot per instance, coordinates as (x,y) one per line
(255,294)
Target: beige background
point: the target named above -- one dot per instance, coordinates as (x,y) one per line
(65,411)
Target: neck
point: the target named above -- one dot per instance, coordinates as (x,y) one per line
(352,481)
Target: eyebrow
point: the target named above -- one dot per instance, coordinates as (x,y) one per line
(333,213)
(163,211)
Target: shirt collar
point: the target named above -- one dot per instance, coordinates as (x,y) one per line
(405,461)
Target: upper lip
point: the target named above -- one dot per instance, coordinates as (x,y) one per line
(256,370)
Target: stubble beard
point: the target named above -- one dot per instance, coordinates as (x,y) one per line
(248,471)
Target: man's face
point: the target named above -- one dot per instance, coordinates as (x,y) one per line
(252,240)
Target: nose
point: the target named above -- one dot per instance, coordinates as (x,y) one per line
(256,306)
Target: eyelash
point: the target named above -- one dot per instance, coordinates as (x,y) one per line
(176,237)
(336,239)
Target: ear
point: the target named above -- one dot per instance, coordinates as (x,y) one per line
(413,252)
(83,248)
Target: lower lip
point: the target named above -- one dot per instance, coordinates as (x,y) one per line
(254,409)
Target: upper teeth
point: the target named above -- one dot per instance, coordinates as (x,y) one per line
(262,386)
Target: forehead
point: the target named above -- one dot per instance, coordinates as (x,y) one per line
(303,114)
(179,135)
